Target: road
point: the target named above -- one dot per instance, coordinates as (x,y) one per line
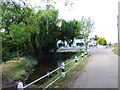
(70,49)
(100,72)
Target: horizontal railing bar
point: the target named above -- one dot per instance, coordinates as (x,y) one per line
(72,60)
(41,77)
(69,62)
(54,70)
(52,82)
(70,68)
(35,81)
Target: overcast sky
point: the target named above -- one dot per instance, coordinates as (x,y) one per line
(103,12)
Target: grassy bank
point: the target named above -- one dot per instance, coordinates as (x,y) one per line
(14,70)
(117,49)
(61,83)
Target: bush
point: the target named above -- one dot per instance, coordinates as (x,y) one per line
(6,55)
(101,41)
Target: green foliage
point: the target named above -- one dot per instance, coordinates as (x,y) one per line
(13,15)
(116,50)
(80,36)
(29,31)
(102,41)
(69,30)
(87,26)
(95,38)
(6,55)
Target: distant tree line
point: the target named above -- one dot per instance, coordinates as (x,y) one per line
(100,40)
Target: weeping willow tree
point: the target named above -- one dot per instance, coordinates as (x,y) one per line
(45,35)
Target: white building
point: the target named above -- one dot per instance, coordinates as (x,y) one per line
(76,42)
(92,43)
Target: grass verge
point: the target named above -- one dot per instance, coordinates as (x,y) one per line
(116,50)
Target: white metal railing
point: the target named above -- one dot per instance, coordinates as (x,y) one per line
(62,67)
(42,77)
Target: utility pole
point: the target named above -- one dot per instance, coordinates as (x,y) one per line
(118,22)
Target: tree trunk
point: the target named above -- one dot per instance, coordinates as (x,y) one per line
(17,53)
(40,52)
(86,46)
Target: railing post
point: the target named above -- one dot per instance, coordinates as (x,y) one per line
(49,75)
(75,59)
(20,85)
(63,69)
(82,56)
(88,52)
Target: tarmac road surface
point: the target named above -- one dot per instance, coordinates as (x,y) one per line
(100,72)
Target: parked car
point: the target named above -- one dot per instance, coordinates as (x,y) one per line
(79,44)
